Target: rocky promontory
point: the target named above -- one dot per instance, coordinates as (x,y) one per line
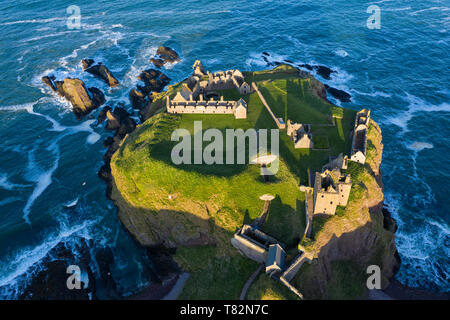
(194,215)
(74,90)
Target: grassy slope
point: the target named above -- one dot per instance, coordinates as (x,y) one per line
(212,201)
(265,288)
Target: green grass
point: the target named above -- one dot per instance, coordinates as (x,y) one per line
(317,226)
(265,288)
(293,99)
(348,281)
(150,154)
(280,72)
(212,276)
(320,142)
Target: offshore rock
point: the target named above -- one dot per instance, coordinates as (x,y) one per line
(159,63)
(338,94)
(100,71)
(75,91)
(138,99)
(167,54)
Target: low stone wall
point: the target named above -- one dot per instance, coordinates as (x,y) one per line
(290,272)
(309,203)
(249,282)
(291,287)
(278,123)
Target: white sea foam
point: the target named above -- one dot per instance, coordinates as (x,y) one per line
(64,61)
(297,43)
(442,9)
(212,61)
(341,53)
(72,203)
(8,185)
(42,178)
(381,1)
(257,59)
(340,76)
(372,94)
(33,21)
(140,62)
(29,107)
(105,34)
(397,9)
(425,196)
(93,138)
(419,146)
(420,242)
(51,35)
(23,260)
(170,65)
(416,106)
(7,200)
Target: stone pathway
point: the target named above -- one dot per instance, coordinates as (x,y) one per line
(177,288)
(249,282)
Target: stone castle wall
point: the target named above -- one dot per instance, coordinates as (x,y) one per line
(359,141)
(278,122)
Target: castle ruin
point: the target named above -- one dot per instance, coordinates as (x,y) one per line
(359,142)
(299,134)
(331,189)
(340,162)
(253,243)
(190,99)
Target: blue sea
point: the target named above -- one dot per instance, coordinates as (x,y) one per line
(49,190)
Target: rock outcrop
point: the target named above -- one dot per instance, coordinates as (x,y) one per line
(159,63)
(164,55)
(75,91)
(102,114)
(341,95)
(120,121)
(167,54)
(113,121)
(82,103)
(48,80)
(100,71)
(138,99)
(154,80)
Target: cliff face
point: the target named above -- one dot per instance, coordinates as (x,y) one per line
(350,242)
